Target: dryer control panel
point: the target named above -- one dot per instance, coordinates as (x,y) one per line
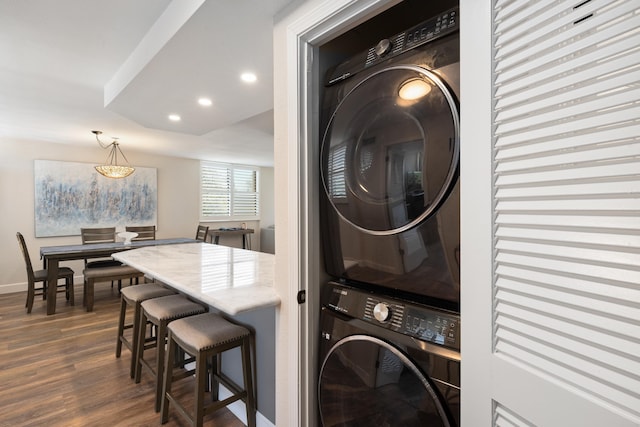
(428,31)
(419,321)
(420,34)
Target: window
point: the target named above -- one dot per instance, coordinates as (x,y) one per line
(229,192)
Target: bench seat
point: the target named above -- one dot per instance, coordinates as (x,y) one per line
(105,274)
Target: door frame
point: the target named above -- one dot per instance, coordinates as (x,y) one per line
(296,37)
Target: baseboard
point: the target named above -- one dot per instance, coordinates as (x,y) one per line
(238,409)
(10,288)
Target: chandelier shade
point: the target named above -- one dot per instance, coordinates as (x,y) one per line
(111,168)
(115,171)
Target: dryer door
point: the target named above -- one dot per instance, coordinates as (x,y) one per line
(390,151)
(366,382)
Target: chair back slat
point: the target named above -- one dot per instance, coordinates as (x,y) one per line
(145,232)
(25,254)
(202,232)
(98,235)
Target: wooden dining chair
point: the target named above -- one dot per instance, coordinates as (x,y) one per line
(202,232)
(145,232)
(37,276)
(100,235)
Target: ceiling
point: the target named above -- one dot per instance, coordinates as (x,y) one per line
(120,66)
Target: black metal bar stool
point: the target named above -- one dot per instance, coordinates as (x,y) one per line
(160,311)
(133,296)
(207,336)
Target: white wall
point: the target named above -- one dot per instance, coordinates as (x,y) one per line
(267,198)
(178,200)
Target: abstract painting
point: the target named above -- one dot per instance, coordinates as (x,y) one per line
(69,196)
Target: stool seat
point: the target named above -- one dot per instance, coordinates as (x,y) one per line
(205,331)
(145,291)
(160,311)
(170,307)
(206,337)
(134,296)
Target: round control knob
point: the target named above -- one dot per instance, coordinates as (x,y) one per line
(383,47)
(381,312)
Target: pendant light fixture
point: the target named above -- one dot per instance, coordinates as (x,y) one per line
(111,169)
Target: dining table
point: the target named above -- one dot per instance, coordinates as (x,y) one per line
(53,255)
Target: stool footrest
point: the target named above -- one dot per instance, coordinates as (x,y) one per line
(126,343)
(229,383)
(212,407)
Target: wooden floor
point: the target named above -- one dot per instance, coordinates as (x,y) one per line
(61,370)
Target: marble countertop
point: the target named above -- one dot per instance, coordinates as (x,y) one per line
(229,279)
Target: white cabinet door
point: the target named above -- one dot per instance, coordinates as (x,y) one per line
(550,193)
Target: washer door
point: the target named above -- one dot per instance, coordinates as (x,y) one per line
(366,382)
(390,151)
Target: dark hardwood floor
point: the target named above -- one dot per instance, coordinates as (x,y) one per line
(61,370)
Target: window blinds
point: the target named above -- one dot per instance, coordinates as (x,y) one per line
(229,192)
(215,188)
(567,193)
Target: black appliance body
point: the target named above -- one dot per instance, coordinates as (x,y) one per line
(389,163)
(387,362)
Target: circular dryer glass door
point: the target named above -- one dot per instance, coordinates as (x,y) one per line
(365,381)
(390,151)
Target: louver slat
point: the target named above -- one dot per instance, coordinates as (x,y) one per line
(506,418)
(545,50)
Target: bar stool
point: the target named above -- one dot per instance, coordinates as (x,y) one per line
(133,296)
(159,311)
(207,336)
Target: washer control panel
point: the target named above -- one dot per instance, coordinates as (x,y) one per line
(432,327)
(383,312)
(415,320)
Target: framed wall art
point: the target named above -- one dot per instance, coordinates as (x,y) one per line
(69,196)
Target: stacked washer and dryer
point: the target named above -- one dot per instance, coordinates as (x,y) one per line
(390,323)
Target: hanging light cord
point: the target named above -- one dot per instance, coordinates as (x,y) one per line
(97,133)
(115,148)
(113,155)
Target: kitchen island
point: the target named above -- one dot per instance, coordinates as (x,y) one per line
(229,279)
(234,282)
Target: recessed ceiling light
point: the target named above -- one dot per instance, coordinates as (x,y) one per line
(248,77)
(205,102)
(174,117)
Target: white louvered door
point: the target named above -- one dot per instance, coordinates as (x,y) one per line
(564,184)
